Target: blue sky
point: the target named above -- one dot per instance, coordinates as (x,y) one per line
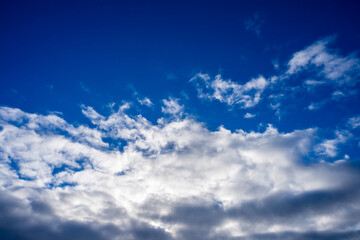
(179,119)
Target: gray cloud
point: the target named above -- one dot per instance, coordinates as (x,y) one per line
(18,220)
(316,235)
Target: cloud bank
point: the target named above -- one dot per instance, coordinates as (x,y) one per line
(127,178)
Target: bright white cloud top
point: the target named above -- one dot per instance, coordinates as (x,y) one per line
(171,179)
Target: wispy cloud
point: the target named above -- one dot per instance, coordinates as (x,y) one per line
(354,122)
(276,64)
(172,107)
(329,147)
(84,86)
(314,82)
(249,115)
(315,71)
(332,66)
(231,93)
(317,105)
(145,101)
(254,24)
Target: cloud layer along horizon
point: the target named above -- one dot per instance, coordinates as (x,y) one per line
(127,178)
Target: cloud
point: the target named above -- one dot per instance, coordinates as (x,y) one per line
(32,220)
(276,64)
(336,95)
(172,107)
(312,85)
(253,24)
(329,64)
(249,115)
(354,122)
(175,179)
(246,96)
(350,235)
(313,82)
(317,105)
(317,75)
(145,101)
(327,76)
(329,147)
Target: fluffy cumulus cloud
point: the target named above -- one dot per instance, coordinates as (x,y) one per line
(226,91)
(128,178)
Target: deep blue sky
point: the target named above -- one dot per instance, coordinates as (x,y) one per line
(48,47)
(57,55)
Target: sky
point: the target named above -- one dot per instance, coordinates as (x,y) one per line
(179,120)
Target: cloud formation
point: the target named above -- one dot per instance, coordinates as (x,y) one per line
(145,101)
(314,77)
(317,75)
(249,115)
(172,107)
(172,180)
(127,177)
(246,96)
(354,122)
(331,66)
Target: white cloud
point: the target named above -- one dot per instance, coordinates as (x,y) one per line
(118,125)
(249,115)
(354,122)
(246,96)
(327,74)
(313,85)
(51,122)
(314,82)
(172,107)
(330,147)
(167,171)
(336,95)
(145,101)
(332,66)
(317,105)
